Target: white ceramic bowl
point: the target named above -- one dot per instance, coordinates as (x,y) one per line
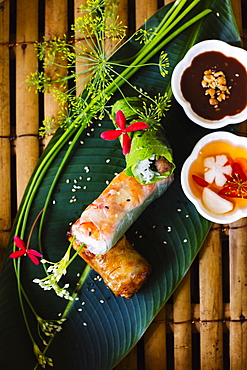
(235,142)
(202,47)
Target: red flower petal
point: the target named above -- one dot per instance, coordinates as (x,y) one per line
(111,134)
(17,254)
(120,120)
(33,259)
(238,172)
(126,143)
(136,126)
(20,243)
(34,253)
(200,181)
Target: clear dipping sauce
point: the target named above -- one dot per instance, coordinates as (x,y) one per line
(233,153)
(231,102)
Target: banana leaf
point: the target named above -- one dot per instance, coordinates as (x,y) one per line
(101,328)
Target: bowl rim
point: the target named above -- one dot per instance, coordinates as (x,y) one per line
(184,177)
(201,47)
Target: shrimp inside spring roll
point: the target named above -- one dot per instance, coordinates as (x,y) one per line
(108,217)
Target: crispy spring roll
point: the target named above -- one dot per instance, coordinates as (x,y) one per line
(107,219)
(123,269)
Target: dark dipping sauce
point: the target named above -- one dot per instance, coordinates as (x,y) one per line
(194,93)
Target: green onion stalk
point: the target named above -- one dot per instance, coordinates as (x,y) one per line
(165,32)
(76,128)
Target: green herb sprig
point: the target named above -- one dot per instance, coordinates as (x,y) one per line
(102,74)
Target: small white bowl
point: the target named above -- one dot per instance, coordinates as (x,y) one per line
(202,47)
(234,141)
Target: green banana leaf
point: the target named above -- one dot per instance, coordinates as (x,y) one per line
(101,328)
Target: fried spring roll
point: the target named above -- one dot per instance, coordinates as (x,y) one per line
(107,219)
(123,269)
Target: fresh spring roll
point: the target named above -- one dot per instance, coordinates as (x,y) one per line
(150,157)
(108,217)
(123,269)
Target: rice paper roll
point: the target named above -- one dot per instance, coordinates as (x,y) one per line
(150,158)
(108,217)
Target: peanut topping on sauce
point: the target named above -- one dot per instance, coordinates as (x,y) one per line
(215,85)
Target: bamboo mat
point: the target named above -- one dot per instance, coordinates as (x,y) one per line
(204,323)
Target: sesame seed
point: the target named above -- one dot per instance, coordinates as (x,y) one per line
(67,181)
(80,309)
(84,324)
(83,303)
(108,160)
(53,202)
(89,178)
(102,301)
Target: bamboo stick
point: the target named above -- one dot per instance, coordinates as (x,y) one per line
(144,10)
(195,320)
(27,117)
(129,362)
(238,294)
(121,11)
(237,10)
(5,163)
(182,331)
(211,306)
(80,67)
(155,343)
(56,25)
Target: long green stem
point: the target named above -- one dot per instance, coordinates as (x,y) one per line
(148,52)
(77,126)
(19,287)
(157,42)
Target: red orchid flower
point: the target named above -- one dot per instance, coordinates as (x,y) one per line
(32,254)
(236,184)
(123,130)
